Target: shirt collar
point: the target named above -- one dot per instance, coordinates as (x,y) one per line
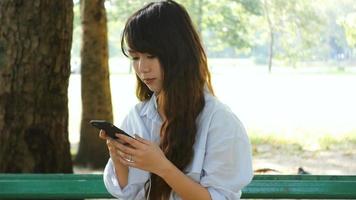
(149,109)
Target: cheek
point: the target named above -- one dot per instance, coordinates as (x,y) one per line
(135,67)
(136,72)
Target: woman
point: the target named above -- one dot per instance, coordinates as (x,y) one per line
(187,144)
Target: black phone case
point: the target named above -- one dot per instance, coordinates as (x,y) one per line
(108,127)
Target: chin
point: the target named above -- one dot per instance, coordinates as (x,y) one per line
(152,89)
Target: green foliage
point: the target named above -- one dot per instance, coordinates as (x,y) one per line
(296,28)
(227,26)
(303,30)
(332,35)
(118,12)
(223,24)
(252,6)
(349,25)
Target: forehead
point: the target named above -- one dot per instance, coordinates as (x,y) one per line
(132,51)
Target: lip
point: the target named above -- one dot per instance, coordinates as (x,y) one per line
(148,81)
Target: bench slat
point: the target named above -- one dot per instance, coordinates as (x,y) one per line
(53,187)
(71,186)
(300,189)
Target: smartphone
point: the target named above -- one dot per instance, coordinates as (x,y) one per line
(108,127)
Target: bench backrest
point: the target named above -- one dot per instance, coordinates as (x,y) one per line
(74,186)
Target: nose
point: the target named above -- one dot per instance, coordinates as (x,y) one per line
(143,65)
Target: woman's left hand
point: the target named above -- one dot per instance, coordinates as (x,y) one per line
(142,154)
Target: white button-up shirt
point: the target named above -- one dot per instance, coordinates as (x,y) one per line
(222,160)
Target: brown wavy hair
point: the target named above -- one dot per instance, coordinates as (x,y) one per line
(164,29)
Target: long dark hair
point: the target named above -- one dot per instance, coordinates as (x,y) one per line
(164,29)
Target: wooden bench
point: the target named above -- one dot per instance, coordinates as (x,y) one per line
(74,186)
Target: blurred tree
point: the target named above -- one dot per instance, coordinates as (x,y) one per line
(35,41)
(224,24)
(289,31)
(196,12)
(77,32)
(294,27)
(118,12)
(271,31)
(334,39)
(349,25)
(96,94)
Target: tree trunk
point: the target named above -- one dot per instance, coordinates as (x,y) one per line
(270,51)
(96,95)
(200,17)
(271,35)
(35,43)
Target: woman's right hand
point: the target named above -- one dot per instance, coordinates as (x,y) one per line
(114,154)
(120,169)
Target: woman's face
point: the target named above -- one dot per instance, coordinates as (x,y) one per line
(148,69)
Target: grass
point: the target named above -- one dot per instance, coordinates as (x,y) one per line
(303,141)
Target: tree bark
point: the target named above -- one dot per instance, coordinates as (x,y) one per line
(96,95)
(271,35)
(35,43)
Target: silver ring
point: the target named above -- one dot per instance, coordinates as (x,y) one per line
(130,159)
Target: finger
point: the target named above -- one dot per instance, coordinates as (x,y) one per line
(111,144)
(110,141)
(102,135)
(125,156)
(114,153)
(127,163)
(133,142)
(121,154)
(140,139)
(126,149)
(120,141)
(112,150)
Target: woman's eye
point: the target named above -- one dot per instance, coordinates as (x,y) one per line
(151,56)
(134,58)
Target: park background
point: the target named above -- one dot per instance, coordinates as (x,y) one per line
(286,68)
(300,111)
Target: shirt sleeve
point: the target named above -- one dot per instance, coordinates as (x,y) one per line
(133,190)
(228,160)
